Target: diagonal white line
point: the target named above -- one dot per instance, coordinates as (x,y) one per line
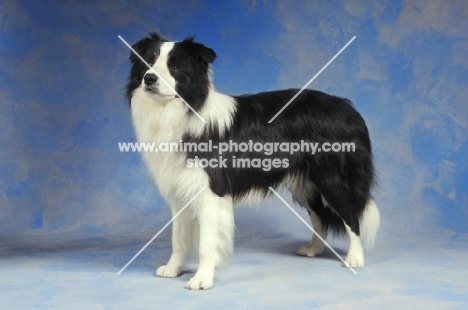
(308,226)
(312,79)
(164,81)
(161,230)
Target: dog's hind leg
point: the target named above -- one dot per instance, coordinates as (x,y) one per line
(315,246)
(348,206)
(355,256)
(307,195)
(369,224)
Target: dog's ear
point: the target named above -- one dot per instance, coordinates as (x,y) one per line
(201,51)
(206,53)
(156,37)
(145,45)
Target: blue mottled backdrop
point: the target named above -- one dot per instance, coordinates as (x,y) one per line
(62,106)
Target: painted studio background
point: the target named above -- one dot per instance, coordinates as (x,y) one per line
(63,109)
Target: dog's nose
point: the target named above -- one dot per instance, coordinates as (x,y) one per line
(150,79)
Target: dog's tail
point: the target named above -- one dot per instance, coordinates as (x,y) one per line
(369,223)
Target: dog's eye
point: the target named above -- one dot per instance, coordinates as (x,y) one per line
(174,68)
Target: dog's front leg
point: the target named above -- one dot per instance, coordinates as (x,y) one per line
(216,223)
(180,247)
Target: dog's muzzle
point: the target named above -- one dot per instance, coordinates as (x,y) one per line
(151,84)
(150,79)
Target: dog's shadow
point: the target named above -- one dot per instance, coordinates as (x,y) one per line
(289,248)
(281,247)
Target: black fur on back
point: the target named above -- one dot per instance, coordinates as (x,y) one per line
(344,179)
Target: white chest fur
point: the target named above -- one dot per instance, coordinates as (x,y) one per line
(159,123)
(166,122)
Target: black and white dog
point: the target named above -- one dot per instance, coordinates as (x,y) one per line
(334,187)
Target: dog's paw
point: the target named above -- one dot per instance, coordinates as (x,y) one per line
(200,283)
(354,261)
(310,250)
(168,272)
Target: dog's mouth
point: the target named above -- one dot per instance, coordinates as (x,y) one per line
(153,91)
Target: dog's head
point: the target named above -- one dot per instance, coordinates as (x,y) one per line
(180,66)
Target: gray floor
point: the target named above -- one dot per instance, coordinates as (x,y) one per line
(408,273)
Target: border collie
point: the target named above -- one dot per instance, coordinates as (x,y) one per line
(334,187)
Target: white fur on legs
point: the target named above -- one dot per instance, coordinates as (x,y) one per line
(216,221)
(180,248)
(355,257)
(315,246)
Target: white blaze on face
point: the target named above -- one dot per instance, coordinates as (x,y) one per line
(160,66)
